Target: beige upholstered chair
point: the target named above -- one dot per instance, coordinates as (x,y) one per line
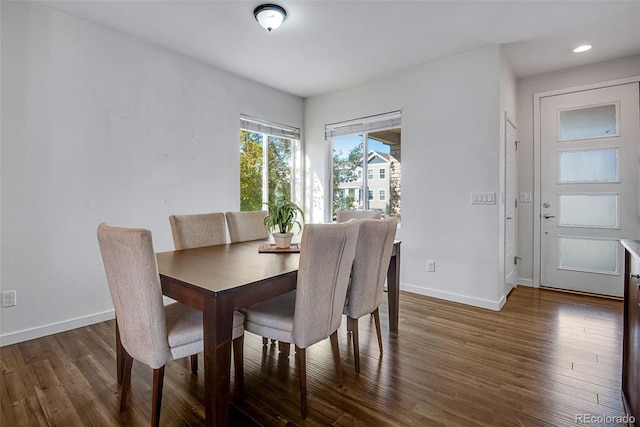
(248,225)
(344,216)
(195,231)
(375,244)
(313,311)
(149,332)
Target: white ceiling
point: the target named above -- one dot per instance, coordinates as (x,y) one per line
(327,45)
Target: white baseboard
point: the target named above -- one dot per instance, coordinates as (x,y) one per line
(54,328)
(524,282)
(463,299)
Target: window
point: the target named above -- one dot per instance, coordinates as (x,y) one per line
(268,163)
(367,144)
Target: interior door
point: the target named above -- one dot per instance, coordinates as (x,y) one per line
(589,156)
(511,204)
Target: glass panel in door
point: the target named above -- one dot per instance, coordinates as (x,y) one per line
(588,122)
(588,166)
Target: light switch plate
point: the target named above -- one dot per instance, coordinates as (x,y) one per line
(483,198)
(526,198)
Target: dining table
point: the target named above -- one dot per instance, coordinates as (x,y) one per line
(220,279)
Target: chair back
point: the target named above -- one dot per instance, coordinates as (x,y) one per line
(326,257)
(346,215)
(247,225)
(134,283)
(370,265)
(197,230)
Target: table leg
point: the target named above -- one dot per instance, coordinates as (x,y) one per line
(217,324)
(393,284)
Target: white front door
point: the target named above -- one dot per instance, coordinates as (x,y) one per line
(510,204)
(589,193)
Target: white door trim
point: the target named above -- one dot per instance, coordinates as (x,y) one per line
(537,146)
(503,210)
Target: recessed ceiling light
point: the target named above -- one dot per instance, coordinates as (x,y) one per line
(583,48)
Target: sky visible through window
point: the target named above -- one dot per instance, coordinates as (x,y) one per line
(346,143)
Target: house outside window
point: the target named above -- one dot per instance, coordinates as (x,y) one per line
(372,144)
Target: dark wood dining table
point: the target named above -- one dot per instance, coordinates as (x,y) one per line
(220,279)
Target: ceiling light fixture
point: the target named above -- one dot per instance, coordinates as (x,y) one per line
(583,48)
(269,16)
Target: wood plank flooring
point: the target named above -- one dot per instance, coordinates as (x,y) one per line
(546,358)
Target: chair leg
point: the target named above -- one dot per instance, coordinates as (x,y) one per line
(301,360)
(127,363)
(158,381)
(119,351)
(265,341)
(352,325)
(284,347)
(194,364)
(336,356)
(238,364)
(376,320)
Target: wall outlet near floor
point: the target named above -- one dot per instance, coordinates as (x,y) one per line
(8,299)
(431,266)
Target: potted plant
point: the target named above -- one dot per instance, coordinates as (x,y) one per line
(282,216)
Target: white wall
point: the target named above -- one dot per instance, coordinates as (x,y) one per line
(527,87)
(451,140)
(100,126)
(1,44)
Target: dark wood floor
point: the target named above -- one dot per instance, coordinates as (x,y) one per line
(546,358)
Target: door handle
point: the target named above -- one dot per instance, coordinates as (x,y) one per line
(547,216)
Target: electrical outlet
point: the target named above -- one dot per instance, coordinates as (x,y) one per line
(8,299)
(431,266)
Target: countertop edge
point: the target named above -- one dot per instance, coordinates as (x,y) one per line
(632,246)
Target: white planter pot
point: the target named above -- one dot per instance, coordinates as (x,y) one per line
(283,240)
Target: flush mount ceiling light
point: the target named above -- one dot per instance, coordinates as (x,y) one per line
(583,48)
(269,16)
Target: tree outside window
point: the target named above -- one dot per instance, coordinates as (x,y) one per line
(265,169)
(347,168)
